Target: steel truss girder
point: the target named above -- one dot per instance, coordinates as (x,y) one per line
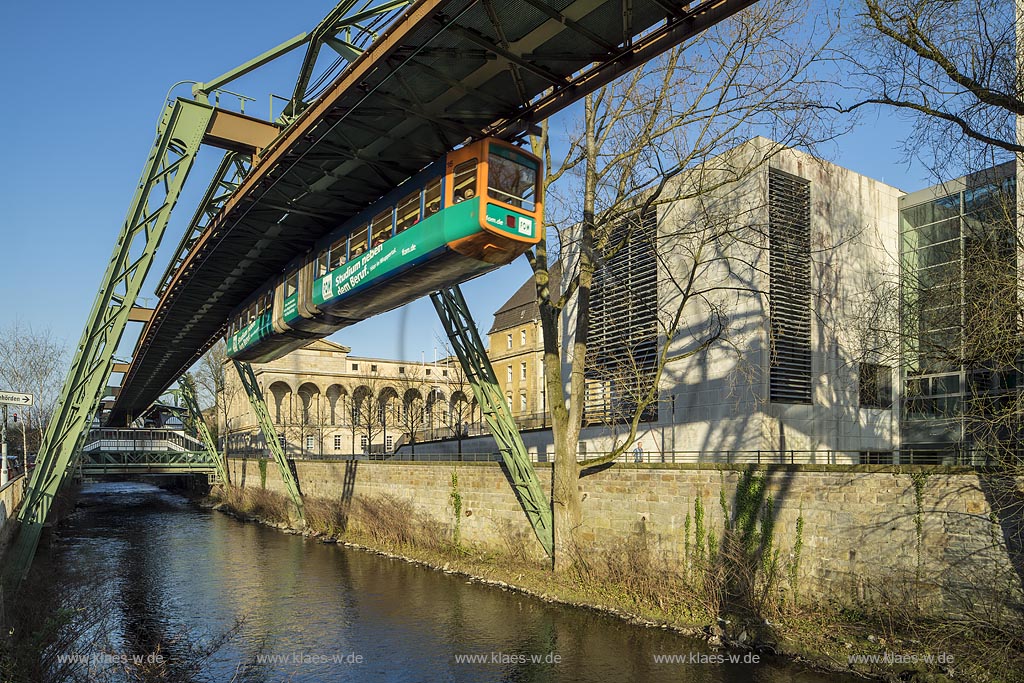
(226,179)
(188,395)
(178,138)
(259,407)
(458,323)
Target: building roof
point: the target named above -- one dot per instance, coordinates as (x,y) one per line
(325,345)
(522,306)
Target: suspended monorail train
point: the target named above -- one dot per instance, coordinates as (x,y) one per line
(435,230)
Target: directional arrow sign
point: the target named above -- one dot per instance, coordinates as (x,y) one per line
(14,399)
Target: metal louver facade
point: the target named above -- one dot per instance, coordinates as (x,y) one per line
(623,328)
(789,247)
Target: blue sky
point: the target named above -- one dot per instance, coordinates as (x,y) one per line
(85,84)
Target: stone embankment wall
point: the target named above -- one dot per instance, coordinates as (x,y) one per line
(879,533)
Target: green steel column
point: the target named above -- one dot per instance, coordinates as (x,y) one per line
(178,138)
(458,323)
(188,395)
(259,406)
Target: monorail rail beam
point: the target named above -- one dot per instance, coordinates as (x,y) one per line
(458,323)
(188,395)
(259,407)
(179,136)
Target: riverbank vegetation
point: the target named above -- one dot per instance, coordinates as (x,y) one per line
(733,588)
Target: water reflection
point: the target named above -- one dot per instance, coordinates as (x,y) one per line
(175,573)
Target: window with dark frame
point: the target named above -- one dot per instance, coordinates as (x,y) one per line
(875,384)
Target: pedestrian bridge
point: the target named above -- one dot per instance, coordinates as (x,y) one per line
(144,451)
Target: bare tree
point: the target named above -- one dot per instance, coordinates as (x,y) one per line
(458,413)
(215,391)
(32,361)
(411,389)
(628,157)
(374,409)
(952,65)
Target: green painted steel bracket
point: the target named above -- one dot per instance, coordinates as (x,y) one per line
(259,407)
(458,323)
(179,136)
(188,395)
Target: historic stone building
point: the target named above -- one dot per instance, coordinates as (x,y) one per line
(326,402)
(516,350)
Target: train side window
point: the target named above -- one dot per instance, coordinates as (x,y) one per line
(381,226)
(464,181)
(408,212)
(337,255)
(357,243)
(432,196)
(321,264)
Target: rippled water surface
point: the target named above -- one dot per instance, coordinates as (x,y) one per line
(172,572)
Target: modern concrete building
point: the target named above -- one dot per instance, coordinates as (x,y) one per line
(959,314)
(775,355)
(770,273)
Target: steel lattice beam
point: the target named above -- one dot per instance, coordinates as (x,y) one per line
(188,395)
(259,407)
(178,138)
(458,323)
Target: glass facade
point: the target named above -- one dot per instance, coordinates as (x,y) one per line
(958,315)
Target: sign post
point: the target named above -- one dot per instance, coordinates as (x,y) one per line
(14,399)
(4,474)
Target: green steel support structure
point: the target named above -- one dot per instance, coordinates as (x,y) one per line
(458,323)
(188,395)
(178,139)
(259,407)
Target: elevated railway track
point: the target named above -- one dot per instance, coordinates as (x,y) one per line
(418,79)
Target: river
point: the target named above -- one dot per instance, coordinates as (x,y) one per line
(170,577)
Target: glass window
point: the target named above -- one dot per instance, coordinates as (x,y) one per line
(309,443)
(432,197)
(381,227)
(357,243)
(508,341)
(408,212)
(875,386)
(337,442)
(522,403)
(522,370)
(933,211)
(511,178)
(522,337)
(464,181)
(337,255)
(509,374)
(321,264)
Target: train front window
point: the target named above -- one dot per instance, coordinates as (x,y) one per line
(432,197)
(408,212)
(381,227)
(511,178)
(464,181)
